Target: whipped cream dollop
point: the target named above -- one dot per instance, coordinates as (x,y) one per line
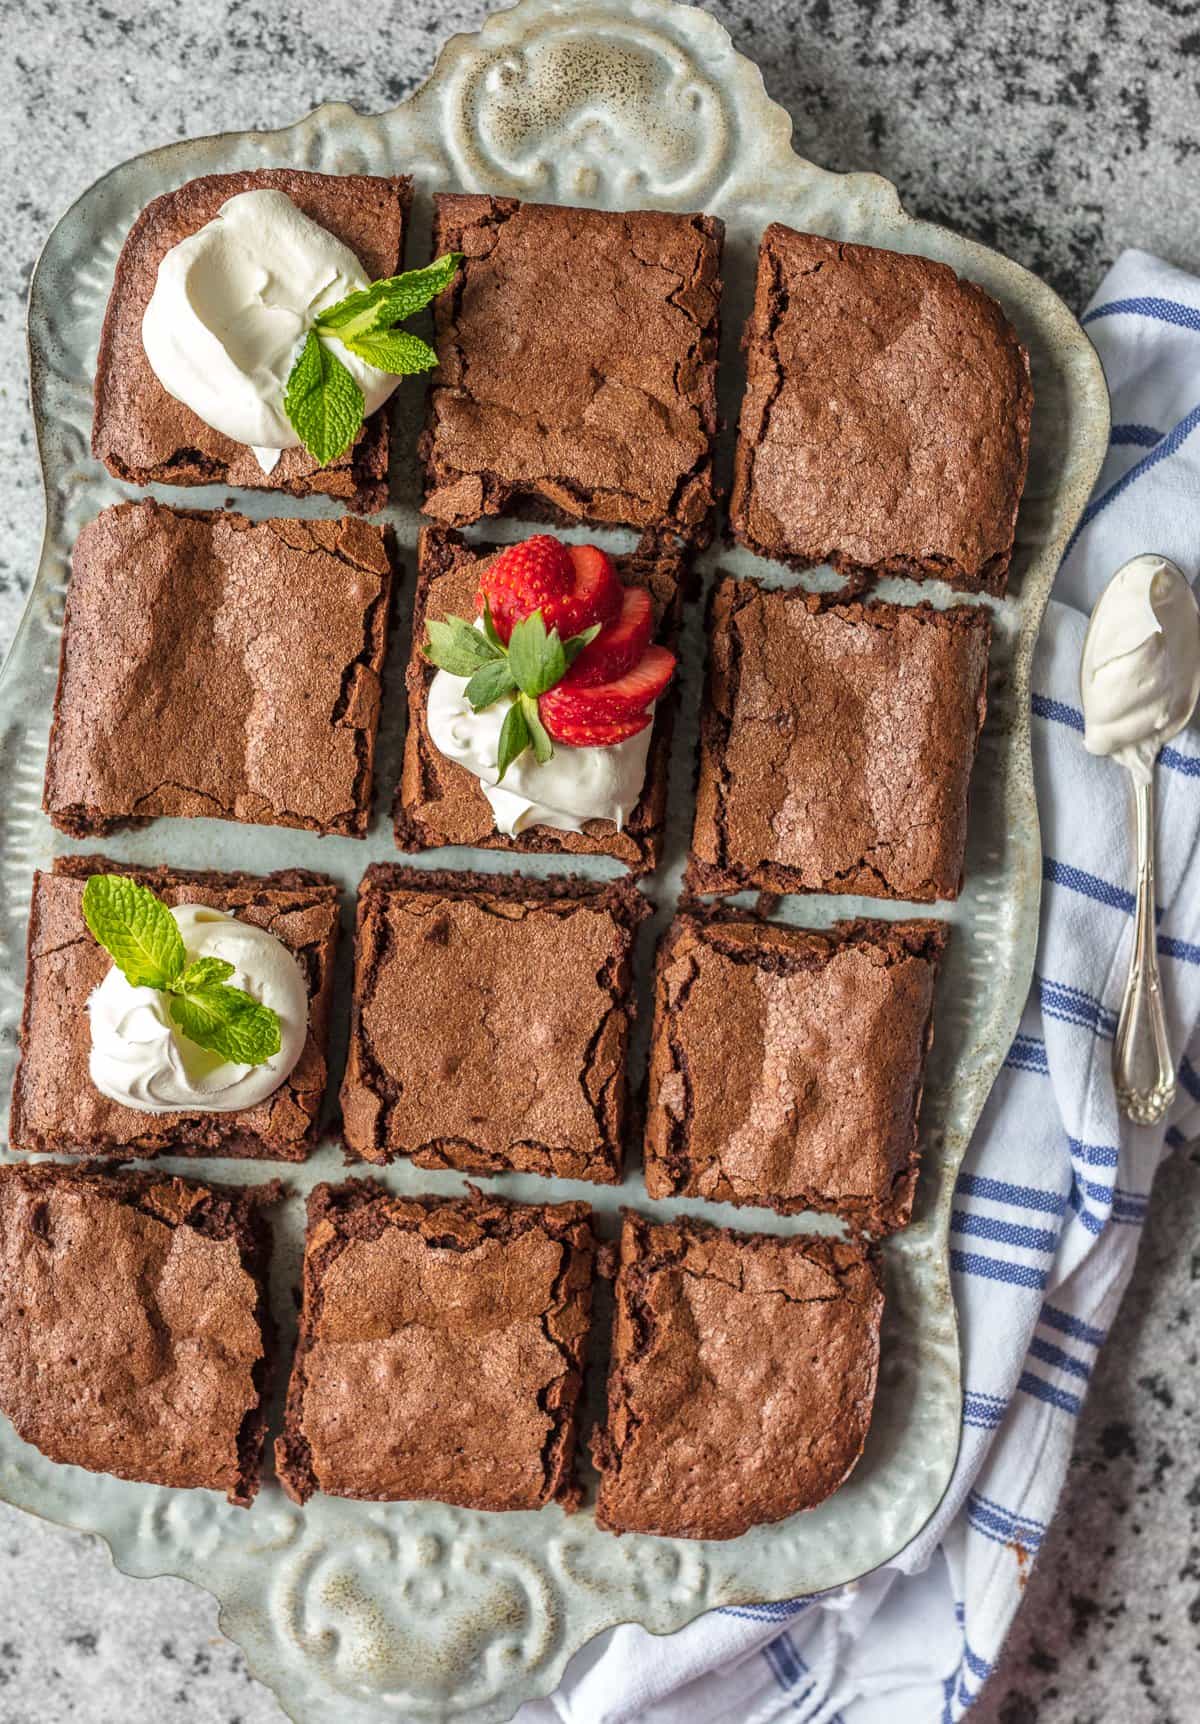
(1140,672)
(139,1057)
(232,307)
(574,786)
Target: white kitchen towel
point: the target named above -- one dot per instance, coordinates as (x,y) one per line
(1055,1185)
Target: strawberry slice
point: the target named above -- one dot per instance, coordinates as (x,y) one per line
(619,645)
(573,586)
(569,710)
(577,732)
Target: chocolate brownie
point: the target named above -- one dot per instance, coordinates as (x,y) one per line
(577,357)
(819,1109)
(885,424)
(836,744)
(135,1336)
(441,1350)
(144,435)
(490,1023)
(55,1105)
(439,801)
(742,1378)
(216,666)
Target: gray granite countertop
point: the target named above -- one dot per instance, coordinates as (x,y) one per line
(1057,131)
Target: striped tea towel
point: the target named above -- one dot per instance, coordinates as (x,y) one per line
(1055,1185)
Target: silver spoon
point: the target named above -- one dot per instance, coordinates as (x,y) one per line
(1140,681)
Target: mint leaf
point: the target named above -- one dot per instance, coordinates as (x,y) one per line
(393,350)
(489,684)
(389,301)
(323,402)
(135,928)
(456,647)
(203,971)
(576,644)
(543,748)
(537,658)
(514,738)
(227,1022)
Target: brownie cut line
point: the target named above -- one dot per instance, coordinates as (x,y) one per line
(836,744)
(213,666)
(885,422)
(742,1379)
(819,1109)
(441,1350)
(490,1023)
(440,802)
(135,1334)
(143,435)
(55,1106)
(577,366)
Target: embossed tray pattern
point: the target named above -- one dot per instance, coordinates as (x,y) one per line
(417,1610)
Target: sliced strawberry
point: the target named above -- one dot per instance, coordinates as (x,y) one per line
(536,575)
(579,732)
(597,593)
(567,709)
(619,645)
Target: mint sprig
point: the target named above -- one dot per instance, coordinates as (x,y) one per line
(142,937)
(322,399)
(533,661)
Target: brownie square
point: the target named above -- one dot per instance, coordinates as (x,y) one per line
(577,356)
(56,1107)
(885,424)
(441,1350)
(221,667)
(145,436)
(819,1109)
(440,802)
(836,744)
(135,1336)
(742,1378)
(490,1024)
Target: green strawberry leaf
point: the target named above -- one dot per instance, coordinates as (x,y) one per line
(488,684)
(227,1022)
(514,738)
(543,748)
(393,350)
(323,402)
(389,301)
(537,658)
(489,628)
(576,644)
(455,646)
(136,929)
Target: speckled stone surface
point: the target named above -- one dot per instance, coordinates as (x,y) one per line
(1059,131)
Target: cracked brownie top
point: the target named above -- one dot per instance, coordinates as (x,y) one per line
(885,424)
(213,665)
(742,1379)
(55,1105)
(837,744)
(441,1349)
(819,1109)
(577,366)
(490,1022)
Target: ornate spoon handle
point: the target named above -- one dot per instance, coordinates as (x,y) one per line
(1142,1068)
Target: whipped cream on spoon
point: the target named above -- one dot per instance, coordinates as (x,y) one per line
(1139,683)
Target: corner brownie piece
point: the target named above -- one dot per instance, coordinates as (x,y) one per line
(836,744)
(490,1023)
(439,801)
(217,666)
(135,1335)
(819,1110)
(742,1378)
(56,1107)
(885,424)
(145,436)
(441,1350)
(577,356)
